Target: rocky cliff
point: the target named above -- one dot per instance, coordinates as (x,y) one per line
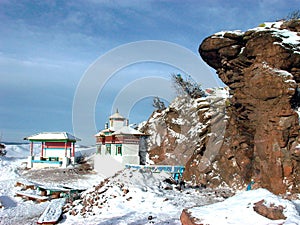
(262,69)
(174,130)
(184,129)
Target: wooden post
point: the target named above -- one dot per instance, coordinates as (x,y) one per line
(42,153)
(31,148)
(73,149)
(66,154)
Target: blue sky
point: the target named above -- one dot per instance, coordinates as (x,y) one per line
(46,48)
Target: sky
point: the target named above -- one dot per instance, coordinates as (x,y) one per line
(67,64)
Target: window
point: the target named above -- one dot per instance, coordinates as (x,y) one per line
(108,149)
(119,150)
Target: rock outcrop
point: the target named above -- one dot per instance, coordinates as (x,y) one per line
(183,128)
(262,69)
(173,130)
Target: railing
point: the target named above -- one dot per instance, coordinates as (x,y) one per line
(46,161)
(176,171)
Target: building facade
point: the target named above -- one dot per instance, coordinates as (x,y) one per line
(121,141)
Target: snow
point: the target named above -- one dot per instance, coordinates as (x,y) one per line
(203,103)
(85,151)
(158,139)
(284,73)
(128,130)
(185,118)
(53,136)
(31,194)
(107,165)
(178,136)
(134,196)
(288,37)
(131,197)
(52,212)
(290,81)
(178,121)
(14,209)
(222,33)
(239,210)
(196,129)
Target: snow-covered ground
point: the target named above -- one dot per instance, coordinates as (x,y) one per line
(130,197)
(17,211)
(239,210)
(137,197)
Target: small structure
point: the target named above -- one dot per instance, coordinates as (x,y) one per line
(121,141)
(57,150)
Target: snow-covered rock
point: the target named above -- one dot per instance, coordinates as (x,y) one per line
(239,210)
(179,130)
(133,197)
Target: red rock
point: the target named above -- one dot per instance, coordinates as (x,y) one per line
(287,170)
(187,219)
(272,212)
(263,127)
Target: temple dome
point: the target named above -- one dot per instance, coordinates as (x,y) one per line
(117,116)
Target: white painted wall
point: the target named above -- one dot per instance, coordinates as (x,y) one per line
(130,150)
(56,153)
(116,124)
(130,153)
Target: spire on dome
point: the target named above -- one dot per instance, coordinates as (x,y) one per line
(117,115)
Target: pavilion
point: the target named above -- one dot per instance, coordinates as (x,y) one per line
(57,149)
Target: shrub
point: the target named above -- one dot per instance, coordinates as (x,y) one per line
(295,15)
(187,86)
(158,104)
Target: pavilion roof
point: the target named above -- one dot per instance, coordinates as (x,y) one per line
(52,136)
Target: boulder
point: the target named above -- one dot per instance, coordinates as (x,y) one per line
(187,219)
(272,211)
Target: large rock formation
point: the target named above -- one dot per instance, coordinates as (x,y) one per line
(174,131)
(262,69)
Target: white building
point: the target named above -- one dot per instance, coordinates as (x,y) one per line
(121,141)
